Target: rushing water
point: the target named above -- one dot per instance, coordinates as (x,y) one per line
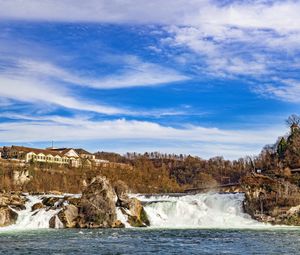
(194,224)
(198,211)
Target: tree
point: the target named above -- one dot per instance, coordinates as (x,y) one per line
(294,119)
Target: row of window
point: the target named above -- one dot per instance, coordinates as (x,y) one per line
(49,158)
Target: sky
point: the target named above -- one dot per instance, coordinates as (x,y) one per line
(200,77)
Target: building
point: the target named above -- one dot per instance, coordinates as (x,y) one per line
(62,156)
(85,154)
(27,155)
(294,128)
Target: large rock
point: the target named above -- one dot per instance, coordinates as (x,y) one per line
(137,216)
(98,205)
(131,207)
(69,216)
(7,216)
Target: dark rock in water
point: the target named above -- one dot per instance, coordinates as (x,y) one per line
(7,216)
(55,222)
(118,224)
(98,205)
(271,200)
(53,202)
(72,200)
(37,206)
(50,201)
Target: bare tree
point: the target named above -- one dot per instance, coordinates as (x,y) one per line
(293,119)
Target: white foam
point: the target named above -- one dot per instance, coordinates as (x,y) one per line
(198,211)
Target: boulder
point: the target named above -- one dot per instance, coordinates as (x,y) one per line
(7,216)
(53,202)
(37,206)
(137,216)
(15,201)
(131,207)
(69,216)
(118,224)
(98,205)
(55,222)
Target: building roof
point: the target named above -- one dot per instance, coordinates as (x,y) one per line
(37,151)
(82,151)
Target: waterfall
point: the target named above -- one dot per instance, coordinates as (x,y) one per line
(37,219)
(209,210)
(198,211)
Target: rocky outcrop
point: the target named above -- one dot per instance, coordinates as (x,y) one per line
(131,207)
(137,216)
(21,177)
(100,201)
(69,216)
(275,201)
(15,201)
(97,207)
(7,216)
(9,203)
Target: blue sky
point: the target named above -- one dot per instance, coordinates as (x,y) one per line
(204,77)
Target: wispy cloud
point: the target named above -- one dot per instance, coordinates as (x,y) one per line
(33,91)
(286,90)
(136,73)
(215,141)
(37,82)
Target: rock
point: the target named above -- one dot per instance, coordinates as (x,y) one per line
(37,206)
(21,177)
(15,201)
(55,222)
(72,200)
(135,212)
(69,216)
(53,202)
(271,200)
(7,216)
(137,216)
(98,205)
(118,224)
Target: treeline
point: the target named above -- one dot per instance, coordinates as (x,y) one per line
(186,170)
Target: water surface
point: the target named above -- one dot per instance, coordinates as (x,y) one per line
(151,241)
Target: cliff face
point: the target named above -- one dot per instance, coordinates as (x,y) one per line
(271,200)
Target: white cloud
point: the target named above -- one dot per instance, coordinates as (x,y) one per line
(277,15)
(287,90)
(206,141)
(29,90)
(232,38)
(32,81)
(136,74)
